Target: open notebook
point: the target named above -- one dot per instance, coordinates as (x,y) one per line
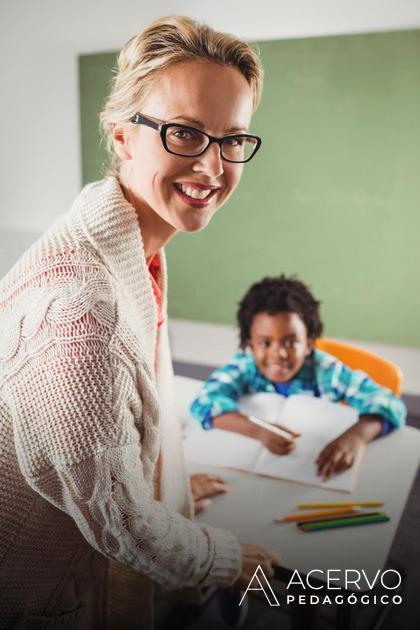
(319,421)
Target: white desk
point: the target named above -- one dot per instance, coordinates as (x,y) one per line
(247,510)
(249,507)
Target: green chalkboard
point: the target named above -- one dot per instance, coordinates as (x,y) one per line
(333,196)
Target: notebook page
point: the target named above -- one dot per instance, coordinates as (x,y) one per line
(319,421)
(216,447)
(265,405)
(232,450)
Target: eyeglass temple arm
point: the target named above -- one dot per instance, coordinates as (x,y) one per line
(138,119)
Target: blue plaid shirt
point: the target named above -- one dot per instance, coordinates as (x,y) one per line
(321,375)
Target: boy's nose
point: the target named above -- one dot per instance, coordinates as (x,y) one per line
(283,352)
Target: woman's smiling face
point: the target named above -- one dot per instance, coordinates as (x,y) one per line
(215,99)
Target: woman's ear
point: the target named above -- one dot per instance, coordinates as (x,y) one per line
(119,138)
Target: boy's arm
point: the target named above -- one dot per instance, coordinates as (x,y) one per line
(217,405)
(269,437)
(238,423)
(373,402)
(220,392)
(379,412)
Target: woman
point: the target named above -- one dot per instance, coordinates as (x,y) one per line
(92,467)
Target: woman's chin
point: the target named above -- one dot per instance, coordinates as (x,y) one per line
(194,223)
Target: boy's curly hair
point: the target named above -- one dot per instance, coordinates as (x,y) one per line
(278,295)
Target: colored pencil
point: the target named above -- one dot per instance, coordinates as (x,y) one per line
(271,427)
(288,518)
(330,504)
(363,519)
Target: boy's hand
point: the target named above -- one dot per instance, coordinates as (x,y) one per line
(339,454)
(278,439)
(278,444)
(204,486)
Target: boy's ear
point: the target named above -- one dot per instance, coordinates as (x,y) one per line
(310,345)
(119,138)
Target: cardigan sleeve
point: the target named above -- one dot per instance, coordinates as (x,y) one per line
(113,508)
(78,434)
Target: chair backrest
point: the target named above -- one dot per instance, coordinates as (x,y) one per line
(379,369)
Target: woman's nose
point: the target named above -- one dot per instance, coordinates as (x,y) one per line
(210,162)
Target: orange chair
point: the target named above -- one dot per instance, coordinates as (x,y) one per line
(381,370)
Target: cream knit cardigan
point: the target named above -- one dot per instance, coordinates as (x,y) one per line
(84,415)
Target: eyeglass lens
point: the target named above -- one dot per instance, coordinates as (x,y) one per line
(191,142)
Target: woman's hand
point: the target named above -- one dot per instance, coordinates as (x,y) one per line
(252,556)
(275,443)
(204,486)
(339,454)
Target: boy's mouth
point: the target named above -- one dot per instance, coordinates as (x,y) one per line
(278,370)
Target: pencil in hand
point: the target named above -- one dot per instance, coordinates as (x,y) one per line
(279,440)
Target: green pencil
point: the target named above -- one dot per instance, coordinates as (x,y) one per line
(338,517)
(362,519)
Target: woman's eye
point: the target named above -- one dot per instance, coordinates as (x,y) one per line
(181,134)
(234,141)
(185,137)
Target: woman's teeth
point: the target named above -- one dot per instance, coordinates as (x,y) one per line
(194,193)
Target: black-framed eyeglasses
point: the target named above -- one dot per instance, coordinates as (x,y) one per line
(188,141)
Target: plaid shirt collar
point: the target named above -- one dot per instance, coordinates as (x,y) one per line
(304,380)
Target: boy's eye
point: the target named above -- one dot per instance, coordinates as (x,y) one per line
(264,343)
(289,343)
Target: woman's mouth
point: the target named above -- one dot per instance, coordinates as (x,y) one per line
(196,195)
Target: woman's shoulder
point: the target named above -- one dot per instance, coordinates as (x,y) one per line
(58,287)
(61,257)
(56,268)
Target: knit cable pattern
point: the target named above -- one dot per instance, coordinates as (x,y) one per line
(81,413)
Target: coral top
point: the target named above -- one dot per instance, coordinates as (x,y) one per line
(154,270)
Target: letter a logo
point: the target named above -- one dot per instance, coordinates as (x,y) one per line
(263,585)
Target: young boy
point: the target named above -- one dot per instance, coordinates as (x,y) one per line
(279,323)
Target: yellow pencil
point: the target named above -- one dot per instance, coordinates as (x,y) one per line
(289,518)
(339,504)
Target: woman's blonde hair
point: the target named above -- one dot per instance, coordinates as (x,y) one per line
(166,41)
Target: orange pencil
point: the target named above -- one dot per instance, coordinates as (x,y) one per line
(339,504)
(290,518)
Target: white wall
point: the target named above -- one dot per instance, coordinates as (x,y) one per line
(39,45)
(40,154)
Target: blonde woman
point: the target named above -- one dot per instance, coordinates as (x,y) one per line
(92,467)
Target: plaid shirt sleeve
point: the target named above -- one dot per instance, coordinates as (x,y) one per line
(339,383)
(219,394)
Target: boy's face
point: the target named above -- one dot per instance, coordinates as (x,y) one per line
(280,345)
